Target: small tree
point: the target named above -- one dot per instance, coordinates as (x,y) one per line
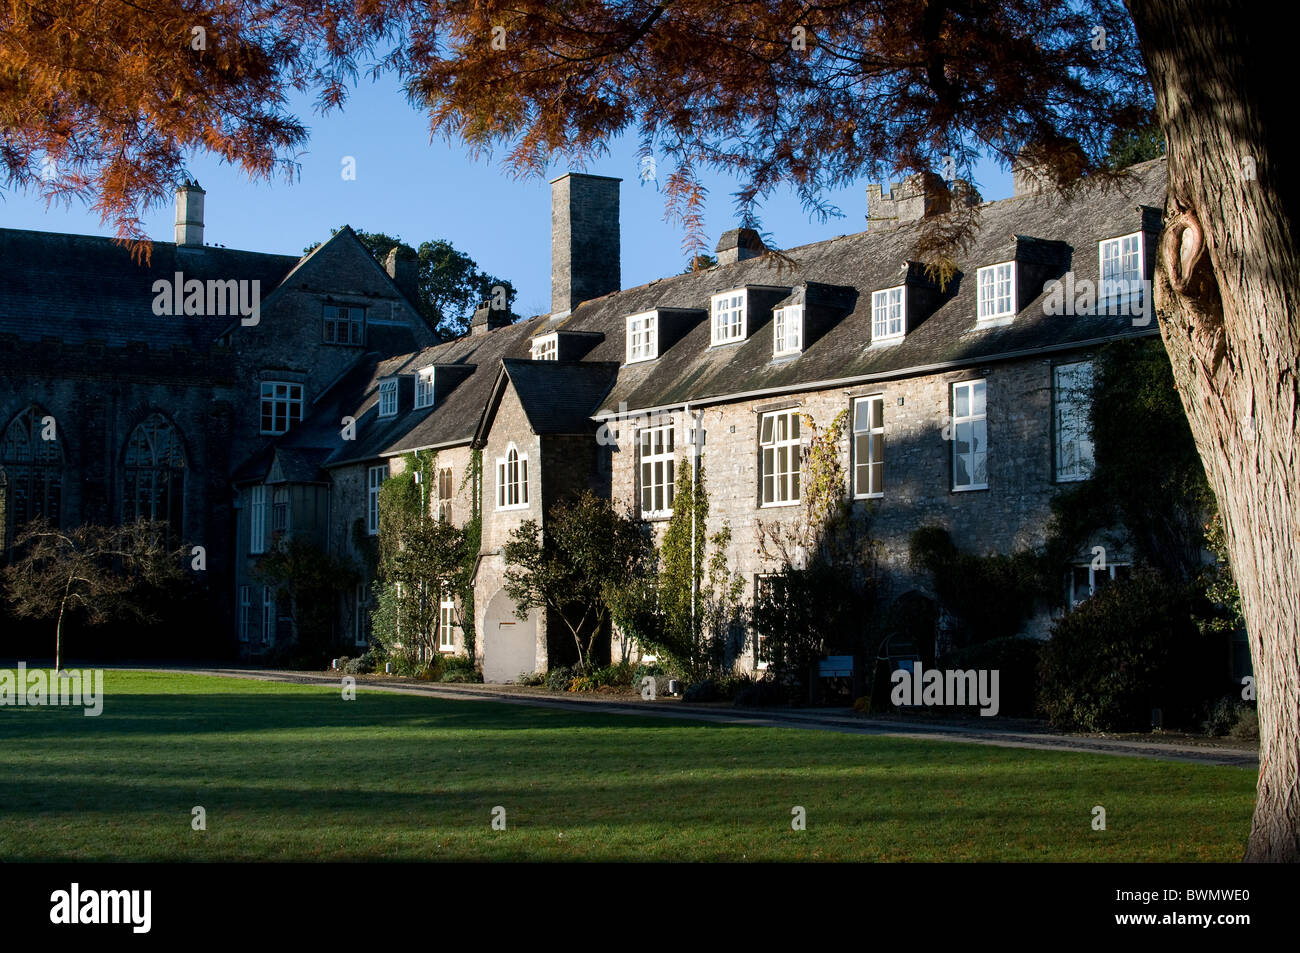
(91,570)
(820,597)
(421,559)
(589,556)
(312,580)
(689,615)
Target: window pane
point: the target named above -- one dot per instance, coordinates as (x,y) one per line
(961,402)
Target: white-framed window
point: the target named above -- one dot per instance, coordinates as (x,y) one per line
(1071,398)
(268,614)
(642,337)
(1122,271)
(787,330)
(512,479)
(245,612)
(280,518)
(361,620)
(997,291)
(869,447)
(424,387)
(728,316)
(1086,580)
(546,348)
(447,624)
(344,325)
(889,314)
(969,436)
(387,398)
(375,477)
(779,457)
(658,463)
(257,519)
(281,406)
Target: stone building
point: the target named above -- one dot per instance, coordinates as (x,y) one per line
(140,385)
(961,397)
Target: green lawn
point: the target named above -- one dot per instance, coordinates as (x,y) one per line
(290,772)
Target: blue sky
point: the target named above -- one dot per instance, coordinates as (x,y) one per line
(410,187)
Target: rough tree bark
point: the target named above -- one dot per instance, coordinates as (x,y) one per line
(1227,295)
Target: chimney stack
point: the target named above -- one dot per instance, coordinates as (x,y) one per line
(486,318)
(737,245)
(584,239)
(189,214)
(402,267)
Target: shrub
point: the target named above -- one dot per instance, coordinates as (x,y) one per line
(1228,715)
(705,690)
(531,678)
(459,668)
(358,666)
(1016,660)
(559,679)
(1247,726)
(1129,649)
(764,692)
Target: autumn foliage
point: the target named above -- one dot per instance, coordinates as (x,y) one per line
(105,102)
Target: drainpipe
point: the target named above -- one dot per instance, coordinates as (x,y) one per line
(697,418)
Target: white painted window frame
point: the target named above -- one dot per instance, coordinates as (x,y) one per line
(661,460)
(787,330)
(889,314)
(735,305)
(989,282)
(424,380)
(970,418)
(875,442)
(787,488)
(512,488)
(375,477)
(642,337)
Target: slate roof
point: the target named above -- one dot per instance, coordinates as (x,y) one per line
(691,370)
(558,396)
(839,274)
(82,287)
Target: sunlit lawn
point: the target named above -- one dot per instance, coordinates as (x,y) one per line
(288,772)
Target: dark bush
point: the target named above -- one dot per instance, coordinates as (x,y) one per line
(1129,649)
(559,679)
(1016,661)
(459,668)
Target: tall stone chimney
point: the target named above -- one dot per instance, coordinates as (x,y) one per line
(737,245)
(584,239)
(402,267)
(189,214)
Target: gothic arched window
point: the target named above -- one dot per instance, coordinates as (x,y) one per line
(155,474)
(31,470)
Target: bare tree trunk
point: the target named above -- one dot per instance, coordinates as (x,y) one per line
(1227,293)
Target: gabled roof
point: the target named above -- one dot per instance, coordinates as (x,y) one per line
(692,370)
(82,288)
(558,397)
(840,275)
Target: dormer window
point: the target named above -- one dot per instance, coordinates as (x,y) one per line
(888,314)
(1122,272)
(546,348)
(787,330)
(388,398)
(997,291)
(424,387)
(642,337)
(729,317)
